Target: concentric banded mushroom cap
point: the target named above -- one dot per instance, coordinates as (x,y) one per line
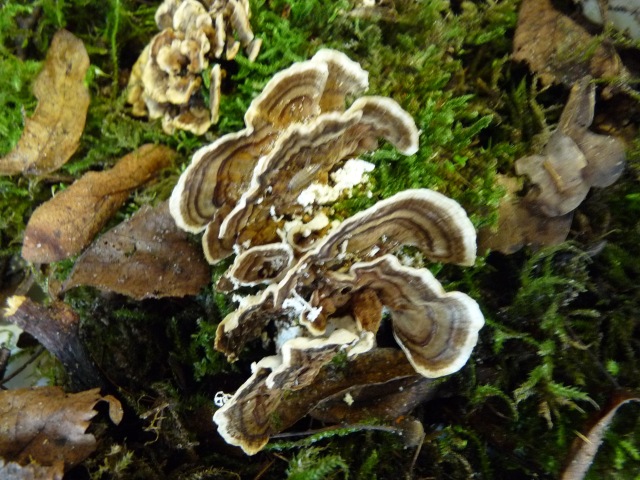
(245,419)
(345,78)
(435,224)
(436,330)
(166,80)
(313,150)
(220,172)
(260,264)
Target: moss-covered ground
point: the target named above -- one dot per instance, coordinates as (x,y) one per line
(561,334)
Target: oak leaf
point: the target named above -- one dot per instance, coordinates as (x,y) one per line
(52,134)
(66,224)
(47,426)
(147,256)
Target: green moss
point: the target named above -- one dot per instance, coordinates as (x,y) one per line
(310,464)
(362,453)
(369,467)
(206,360)
(561,324)
(16,99)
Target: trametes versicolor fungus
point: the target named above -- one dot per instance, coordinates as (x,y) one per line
(297,131)
(166,79)
(328,283)
(573,160)
(335,294)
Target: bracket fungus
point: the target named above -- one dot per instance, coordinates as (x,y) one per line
(622,14)
(241,187)
(436,330)
(334,297)
(261,264)
(166,79)
(314,288)
(327,284)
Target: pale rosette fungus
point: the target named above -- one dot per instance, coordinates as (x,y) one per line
(573,160)
(328,283)
(167,78)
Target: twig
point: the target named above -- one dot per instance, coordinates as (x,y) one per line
(20,369)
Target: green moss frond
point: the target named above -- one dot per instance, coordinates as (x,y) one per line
(310,440)
(206,360)
(311,464)
(16,99)
(367,470)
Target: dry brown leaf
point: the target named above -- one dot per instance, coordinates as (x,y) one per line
(147,256)
(68,222)
(585,447)
(558,49)
(47,426)
(15,471)
(116,412)
(52,134)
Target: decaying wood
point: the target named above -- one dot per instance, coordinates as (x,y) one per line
(56,328)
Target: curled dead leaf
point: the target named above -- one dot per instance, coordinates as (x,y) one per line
(52,134)
(116,412)
(147,256)
(47,426)
(521,224)
(68,222)
(560,50)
